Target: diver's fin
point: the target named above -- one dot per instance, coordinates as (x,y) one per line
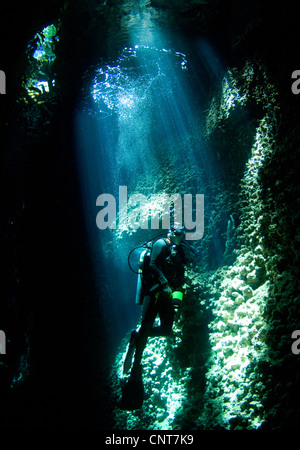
(128,359)
(129,355)
(133,392)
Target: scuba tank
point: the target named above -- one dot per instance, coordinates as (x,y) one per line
(139,286)
(143,262)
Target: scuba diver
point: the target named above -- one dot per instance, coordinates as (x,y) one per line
(160,294)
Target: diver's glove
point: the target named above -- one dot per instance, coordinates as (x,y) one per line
(167,291)
(161,289)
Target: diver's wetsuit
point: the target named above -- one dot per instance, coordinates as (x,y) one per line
(164,270)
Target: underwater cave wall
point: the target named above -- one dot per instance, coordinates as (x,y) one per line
(237,333)
(254,309)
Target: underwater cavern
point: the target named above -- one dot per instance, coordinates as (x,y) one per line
(163,98)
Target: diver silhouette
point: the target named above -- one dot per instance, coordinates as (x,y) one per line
(162,281)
